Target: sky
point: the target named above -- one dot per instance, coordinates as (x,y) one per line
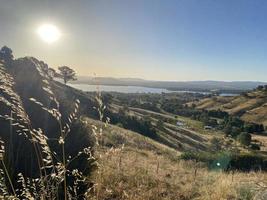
(178,40)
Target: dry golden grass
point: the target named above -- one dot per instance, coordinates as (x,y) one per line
(257,115)
(262,140)
(146,170)
(134,174)
(253,107)
(114,136)
(213,102)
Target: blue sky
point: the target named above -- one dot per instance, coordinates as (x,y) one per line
(151,39)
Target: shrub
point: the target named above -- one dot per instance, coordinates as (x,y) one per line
(235,131)
(252,127)
(255,147)
(244,139)
(228,161)
(247,162)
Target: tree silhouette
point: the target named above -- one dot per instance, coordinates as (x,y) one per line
(51,73)
(6,54)
(67,74)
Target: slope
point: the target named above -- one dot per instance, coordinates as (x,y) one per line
(134,167)
(251,106)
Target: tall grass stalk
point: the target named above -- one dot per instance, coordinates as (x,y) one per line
(8,177)
(62,143)
(52,169)
(2,152)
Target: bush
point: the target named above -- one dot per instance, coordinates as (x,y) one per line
(255,147)
(228,161)
(235,132)
(244,139)
(247,162)
(252,127)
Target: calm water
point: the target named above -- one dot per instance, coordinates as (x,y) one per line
(121,89)
(129,89)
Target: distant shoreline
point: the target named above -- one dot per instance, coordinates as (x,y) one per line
(144,89)
(217,87)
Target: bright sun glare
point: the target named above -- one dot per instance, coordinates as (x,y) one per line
(49,33)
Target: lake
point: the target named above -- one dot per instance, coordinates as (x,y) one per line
(121,89)
(131,89)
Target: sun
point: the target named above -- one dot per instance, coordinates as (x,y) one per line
(49,33)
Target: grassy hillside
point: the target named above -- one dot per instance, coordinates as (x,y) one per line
(133,167)
(138,163)
(251,106)
(191,137)
(42,139)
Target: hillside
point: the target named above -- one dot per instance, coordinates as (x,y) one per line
(250,106)
(35,108)
(134,167)
(132,162)
(30,81)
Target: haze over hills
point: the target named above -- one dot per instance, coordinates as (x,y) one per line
(209,85)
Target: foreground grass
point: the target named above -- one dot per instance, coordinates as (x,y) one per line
(132,167)
(139,174)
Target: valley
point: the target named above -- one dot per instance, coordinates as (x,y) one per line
(133,145)
(133,100)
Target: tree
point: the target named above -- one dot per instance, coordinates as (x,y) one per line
(6,54)
(253,128)
(260,87)
(255,146)
(67,74)
(244,138)
(227,130)
(235,131)
(51,73)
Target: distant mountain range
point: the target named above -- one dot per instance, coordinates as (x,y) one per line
(220,86)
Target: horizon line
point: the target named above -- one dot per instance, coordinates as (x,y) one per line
(143,79)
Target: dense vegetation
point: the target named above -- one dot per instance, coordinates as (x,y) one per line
(228,160)
(139,125)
